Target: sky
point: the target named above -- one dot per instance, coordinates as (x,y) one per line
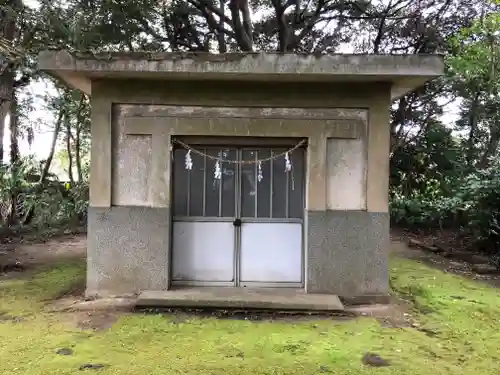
(43,120)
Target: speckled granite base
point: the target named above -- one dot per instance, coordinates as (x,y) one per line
(348,253)
(127,250)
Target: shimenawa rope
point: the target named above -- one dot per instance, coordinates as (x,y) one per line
(221,160)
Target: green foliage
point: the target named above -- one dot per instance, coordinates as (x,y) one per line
(428,163)
(432,187)
(479,197)
(476,60)
(27,201)
(15,190)
(471,202)
(422,210)
(450,177)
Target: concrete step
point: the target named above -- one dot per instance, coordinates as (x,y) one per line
(245,298)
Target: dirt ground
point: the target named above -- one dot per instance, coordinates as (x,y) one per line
(98,315)
(446,239)
(37,253)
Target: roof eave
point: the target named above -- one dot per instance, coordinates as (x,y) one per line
(404,72)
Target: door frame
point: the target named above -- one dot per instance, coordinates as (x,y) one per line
(239,144)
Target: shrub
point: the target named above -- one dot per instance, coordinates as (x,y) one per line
(473,205)
(24,201)
(479,196)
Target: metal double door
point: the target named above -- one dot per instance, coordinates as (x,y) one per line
(238,216)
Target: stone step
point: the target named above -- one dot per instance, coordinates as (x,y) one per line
(244,298)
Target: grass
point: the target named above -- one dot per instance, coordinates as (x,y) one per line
(463,317)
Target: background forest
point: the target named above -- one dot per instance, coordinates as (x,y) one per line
(445,137)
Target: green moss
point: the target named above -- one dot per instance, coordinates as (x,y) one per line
(464,315)
(26,295)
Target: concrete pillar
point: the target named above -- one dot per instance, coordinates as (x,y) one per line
(348,242)
(100,159)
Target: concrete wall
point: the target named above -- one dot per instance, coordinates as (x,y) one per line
(131,174)
(348,152)
(137,127)
(346,174)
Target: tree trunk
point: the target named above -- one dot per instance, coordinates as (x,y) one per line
(398,120)
(220,36)
(28,217)
(14,132)
(6,95)
(242,29)
(491,149)
(8,28)
(282,26)
(68,149)
(50,157)
(79,124)
(472,128)
(14,160)
(4,110)
(78,157)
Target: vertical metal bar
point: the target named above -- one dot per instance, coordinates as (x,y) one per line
(305,223)
(204,183)
(172,177)
(303,181)
(188,195)
(287,198)
(237,187)
(237,207)
(271,185)
(256,200)
(221,165)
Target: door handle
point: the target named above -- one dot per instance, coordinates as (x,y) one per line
(237,222)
